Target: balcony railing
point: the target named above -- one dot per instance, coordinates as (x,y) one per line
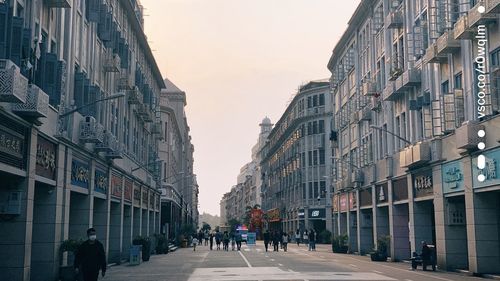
(91,131)
(370,88)
(394,19)
(432,56)
(466,136)
(112,63)
(134,96)
(13,85)
(108,144)
(411,77)
(462,30)
(419,153)
(125,82)
(37,103)
(58,3)
(493,6)
(447,44)
(390,92)
(476,18)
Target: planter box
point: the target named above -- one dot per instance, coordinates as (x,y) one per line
(378,257)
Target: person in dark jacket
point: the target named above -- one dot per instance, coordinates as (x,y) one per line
(267,238)
(211,237)
(90,257)
(426,255)
(276,241)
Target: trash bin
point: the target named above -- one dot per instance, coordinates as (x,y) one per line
(135,254)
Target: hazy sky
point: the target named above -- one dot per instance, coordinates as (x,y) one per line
(239,61)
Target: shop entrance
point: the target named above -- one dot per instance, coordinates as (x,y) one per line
(400,232)
(424,224)
(115,226)
(365,231)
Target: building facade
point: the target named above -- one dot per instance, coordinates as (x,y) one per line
(80,131)
(179,198)
(296,165)
(409,97)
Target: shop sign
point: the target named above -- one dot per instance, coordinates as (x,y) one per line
(453,177)
(365,197)
(422,184)
(352,201)
(127,192)
(137,195)
(343,202)
(301,214)
(46,158)
(273,215)
(316,214)
(100,182)
(400,189)
(335,203)
(11,143)
(80,174)
(382,195)
(116,186)
(490,171)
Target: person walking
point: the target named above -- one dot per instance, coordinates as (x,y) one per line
(225,241)
(218,239)
(276,241)
(267,237)
(238,239)
(305,238)
(195,242)
(90,258)
(285,241)
(426,255)
(233,242)
(211,238)
(206,237)
(200,237)
(297,237)
(312,240)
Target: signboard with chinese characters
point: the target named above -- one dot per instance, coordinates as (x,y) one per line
(335,203)
(343,202)
(127,191)
(352,201)
(12,148)
(422,184)
(46,158)
(80,174)
(273,215)
(365,197)
(453,176)
(116,186)
(381,195)
(316,214)
(490,171)
(137,195)
(101,182)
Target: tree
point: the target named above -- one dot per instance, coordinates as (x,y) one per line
(205,227)
(233,224)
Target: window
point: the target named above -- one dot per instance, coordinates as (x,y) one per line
(322,99)
(304,191)
(321,156)
(458,81)
(495,57)
(445,87)
(315,127)
(309,102)
(321,126)
(310,190)
(310,158)
(315,157)
(316,189)
(315,100)
(322,188)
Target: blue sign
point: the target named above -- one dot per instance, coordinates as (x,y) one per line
(101,182)
(453,176)
(80,174)
(490,171)
(251,237)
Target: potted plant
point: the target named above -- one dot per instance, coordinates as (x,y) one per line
(161,244)
(381,253)
(325,237)
(67,272)
(339,244)
(145,242)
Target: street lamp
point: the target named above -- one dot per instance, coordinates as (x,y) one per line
(391,133)
(115,96)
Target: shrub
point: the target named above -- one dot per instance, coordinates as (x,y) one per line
(146,246)
(325,237)
(339,244)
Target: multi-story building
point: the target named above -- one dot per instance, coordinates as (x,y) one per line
(413,82)
(179,190)
(246,193)
(296,165)
(79,137)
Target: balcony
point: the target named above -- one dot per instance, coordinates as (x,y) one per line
(493,6)
(462,30)
(394,20)
(419,153)
(125,82)
(37,103)
(108,144)
(390,92)
(375,104)
(144,113)
(13,85)
(366,114)
(432,56)
(112,63)
(466,135)
(134,96)
(91,131)
(58,3)
(411,77)
(370,88)
(447,44)
(157,130)
(476,18)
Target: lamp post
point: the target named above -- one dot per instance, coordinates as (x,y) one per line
(112,97)
(391,133)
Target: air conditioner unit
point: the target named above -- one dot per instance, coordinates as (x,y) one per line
(12,203)
(456,214)
(466,135)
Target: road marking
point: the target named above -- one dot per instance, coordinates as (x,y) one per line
(272,259)
(408,280)
(377,271)
(243,256)
(353,265)
(280,264)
